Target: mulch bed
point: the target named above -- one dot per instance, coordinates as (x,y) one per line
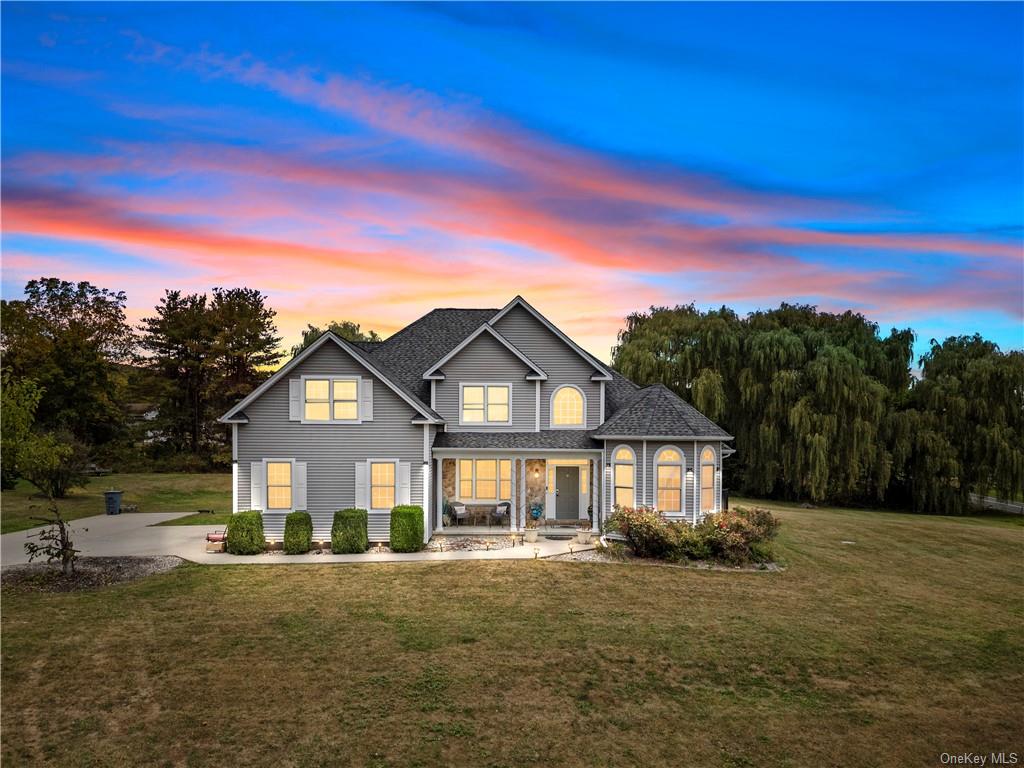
(90,573)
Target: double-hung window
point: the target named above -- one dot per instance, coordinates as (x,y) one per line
(707,480)
(485,404)
(624,476)
(669,475)
(331,399)
(279,485)
(382,484)
(485,479)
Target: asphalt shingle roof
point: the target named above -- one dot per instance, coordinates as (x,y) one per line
(572,439)
(657,410)
(410,352)
(629,409)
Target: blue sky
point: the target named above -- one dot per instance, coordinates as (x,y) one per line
(369,162)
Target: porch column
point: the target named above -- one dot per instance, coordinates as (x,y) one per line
(439,495)
(595,504)
(514,512)
(522,491)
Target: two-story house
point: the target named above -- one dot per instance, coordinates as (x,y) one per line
(470,406)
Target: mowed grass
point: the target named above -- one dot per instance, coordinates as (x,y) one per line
(151,492)
(885,652)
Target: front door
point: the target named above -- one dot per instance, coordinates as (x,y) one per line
(567,493)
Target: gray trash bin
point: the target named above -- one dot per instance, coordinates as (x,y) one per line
(113,499)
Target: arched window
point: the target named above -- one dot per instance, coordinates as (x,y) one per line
(669,478)
(624,477)
(568,407)
(707,480)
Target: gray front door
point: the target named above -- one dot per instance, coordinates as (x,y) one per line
(567,493)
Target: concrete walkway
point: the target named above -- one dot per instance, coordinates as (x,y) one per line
(136,534)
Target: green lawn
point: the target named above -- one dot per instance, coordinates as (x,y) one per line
(152,492)
(888,651)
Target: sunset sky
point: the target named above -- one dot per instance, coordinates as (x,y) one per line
(372,162)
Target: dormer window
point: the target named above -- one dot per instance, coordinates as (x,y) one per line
(485,403)
(331,399)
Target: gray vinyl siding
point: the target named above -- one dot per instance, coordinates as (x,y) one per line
(562,364)
(645,471)
(329,450)
(486,360)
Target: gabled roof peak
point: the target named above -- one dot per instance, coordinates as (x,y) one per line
(538,373)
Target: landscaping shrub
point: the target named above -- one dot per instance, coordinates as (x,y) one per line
(298,533)
(647,532)
(407,528)
(736,537)
(349,533)
(740,536)
(245,533)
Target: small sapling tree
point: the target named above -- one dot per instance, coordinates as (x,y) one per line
(54,542)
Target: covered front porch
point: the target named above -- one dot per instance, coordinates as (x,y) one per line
(488,492)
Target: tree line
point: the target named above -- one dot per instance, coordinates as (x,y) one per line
(825,408)
(81,386)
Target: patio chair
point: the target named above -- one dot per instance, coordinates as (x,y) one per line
(502,511)
(461,513)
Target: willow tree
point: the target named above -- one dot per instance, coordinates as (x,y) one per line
(805,393)
(963,431)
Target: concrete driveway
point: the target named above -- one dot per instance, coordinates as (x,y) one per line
(119,535)
(137,534)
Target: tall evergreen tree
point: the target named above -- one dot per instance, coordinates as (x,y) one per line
(245,344)
(179,338)
(208,353)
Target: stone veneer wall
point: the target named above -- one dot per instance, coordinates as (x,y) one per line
(535,486)
(448,478)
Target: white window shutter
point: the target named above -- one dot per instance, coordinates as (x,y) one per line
(257,485)
(366,400)
(404,482)
(362,501)
(295,400)
(299,489)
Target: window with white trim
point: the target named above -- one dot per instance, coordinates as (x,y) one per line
(279,485)
(624,477)
(669,477)
(485,403)
(568,407)
(382,484)
(485,479)
(707,480)
(331,399)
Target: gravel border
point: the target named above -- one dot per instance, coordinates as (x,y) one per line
(90,573)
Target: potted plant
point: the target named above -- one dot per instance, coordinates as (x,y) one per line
(583,532)
(532,530)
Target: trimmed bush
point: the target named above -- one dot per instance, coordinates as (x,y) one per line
(406,528)
(349,533)
(298,533)
(245,533)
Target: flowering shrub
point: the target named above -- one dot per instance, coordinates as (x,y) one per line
(742,535)
(739,536)
(648,533)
